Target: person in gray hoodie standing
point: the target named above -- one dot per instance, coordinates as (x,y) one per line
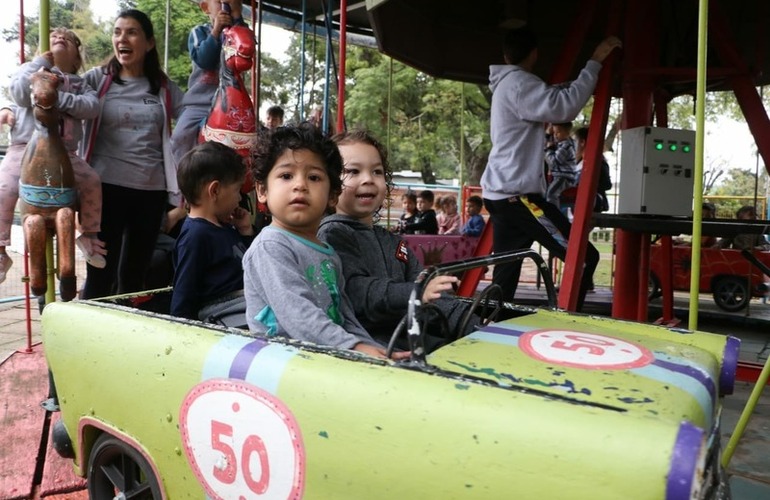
(514,182)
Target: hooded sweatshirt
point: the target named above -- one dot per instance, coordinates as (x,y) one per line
(379,272)
(521,104)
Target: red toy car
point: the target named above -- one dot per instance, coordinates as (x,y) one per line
(726,273)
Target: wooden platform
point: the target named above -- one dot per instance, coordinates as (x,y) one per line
(29,467)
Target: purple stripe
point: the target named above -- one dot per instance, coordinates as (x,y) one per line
(729,366)
(691,372)
(684,461)
(242,360)
(501,331)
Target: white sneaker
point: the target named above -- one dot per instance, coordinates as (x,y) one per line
(5,265)
(92,250)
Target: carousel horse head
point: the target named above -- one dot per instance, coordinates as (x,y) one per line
(238,48)
(232,120)
(47,190)
(44,94)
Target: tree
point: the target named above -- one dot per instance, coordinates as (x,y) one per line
(740,182)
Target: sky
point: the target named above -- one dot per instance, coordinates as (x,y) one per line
(727,141)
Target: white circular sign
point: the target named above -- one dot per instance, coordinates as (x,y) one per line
(242,442)
(584,350)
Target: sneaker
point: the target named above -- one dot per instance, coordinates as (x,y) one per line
(5,265)
(93,251)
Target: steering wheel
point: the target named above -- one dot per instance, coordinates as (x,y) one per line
(488,312)
(426,314)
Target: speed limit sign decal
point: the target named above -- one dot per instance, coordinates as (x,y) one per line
(584,350)
(242,442)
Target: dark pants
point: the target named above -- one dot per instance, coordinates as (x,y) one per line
(516,227)
(131,221)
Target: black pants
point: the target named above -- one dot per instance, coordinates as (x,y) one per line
(518,224)
(131,221)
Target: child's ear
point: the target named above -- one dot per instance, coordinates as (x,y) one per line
(205,7)
(333,199)
(261,192)
(212,189)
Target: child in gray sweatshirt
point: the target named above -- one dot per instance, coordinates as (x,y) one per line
(379,268)
(293,282)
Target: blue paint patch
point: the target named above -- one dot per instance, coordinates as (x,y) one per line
(689,385)
(221,356)
(324,434)
(462,387)
(254,360)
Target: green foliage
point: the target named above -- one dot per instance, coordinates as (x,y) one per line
(184,16)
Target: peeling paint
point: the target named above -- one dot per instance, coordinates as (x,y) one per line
(630,400)
(324,434)
(462,387)
(566,386)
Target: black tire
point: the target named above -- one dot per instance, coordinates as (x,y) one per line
(653,287)
(731,293)
(116,470)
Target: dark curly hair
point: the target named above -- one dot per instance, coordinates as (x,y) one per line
(296,137)
(207,162)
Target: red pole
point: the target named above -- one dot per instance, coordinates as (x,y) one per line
(586,193)
(642,26)
(21,32)
(343,54)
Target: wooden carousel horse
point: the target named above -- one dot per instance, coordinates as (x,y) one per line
(47,190)
(232,120)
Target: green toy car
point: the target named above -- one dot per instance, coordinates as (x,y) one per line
(537,404)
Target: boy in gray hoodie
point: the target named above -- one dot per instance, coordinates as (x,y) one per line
(514,183)
(378,267)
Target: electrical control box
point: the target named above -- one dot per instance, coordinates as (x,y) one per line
(656,171)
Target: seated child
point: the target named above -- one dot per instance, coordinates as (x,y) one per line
(216,233)
(293,282)
(448,219)
(475,223)
(425,222)
(77,101)
(205,45)
(560,157)
(379,288)
(746,241)
(409,204)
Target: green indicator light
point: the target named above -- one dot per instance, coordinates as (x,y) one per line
(672,147)
(659,146)
(686,148)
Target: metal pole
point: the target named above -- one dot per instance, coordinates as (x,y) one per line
(45,27)
(327,68)
(22,32)
(302,63)
(166,36)
(460,203)
(341,79)
(257,82)
(700,113)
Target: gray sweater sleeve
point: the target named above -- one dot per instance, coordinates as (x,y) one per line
(280,280)
(538,101)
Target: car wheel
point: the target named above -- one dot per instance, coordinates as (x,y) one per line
(116,470)
(731,293)
(653,287)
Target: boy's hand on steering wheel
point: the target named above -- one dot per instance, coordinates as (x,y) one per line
(436,286)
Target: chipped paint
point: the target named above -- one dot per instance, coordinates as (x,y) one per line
(324,434)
